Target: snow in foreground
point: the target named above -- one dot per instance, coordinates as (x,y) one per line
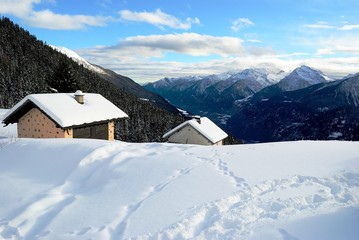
(93,189)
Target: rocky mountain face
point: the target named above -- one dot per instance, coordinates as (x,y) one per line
(322,111)
(28,66)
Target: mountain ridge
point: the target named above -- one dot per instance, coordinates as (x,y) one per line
(120,81)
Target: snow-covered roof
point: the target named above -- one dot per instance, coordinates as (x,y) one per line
(205,126)
(66,111)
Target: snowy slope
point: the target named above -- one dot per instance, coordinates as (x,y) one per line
(78,59)
(8,132)
(93,189)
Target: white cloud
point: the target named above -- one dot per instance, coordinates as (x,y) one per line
(192,44)
(241,23)
(349,27)
(319,25)
(49,20)
(18,8)
(146,70)
(158,19)
(325,25)
(143,58)
(23,9)
(341,44)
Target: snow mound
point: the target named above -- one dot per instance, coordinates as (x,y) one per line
(94,189)
(9,131)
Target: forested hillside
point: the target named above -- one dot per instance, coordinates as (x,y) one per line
(324,111)
(28,66)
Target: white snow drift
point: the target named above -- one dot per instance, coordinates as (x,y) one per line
(94,189)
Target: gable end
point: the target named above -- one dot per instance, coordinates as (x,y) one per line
(22,110)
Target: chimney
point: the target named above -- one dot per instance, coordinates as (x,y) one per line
(79,96)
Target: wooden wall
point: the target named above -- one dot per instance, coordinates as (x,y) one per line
(98,131)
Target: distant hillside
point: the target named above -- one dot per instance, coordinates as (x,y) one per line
(320,112)
(28,66)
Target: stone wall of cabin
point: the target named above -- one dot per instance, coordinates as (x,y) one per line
(35,124)
(189,135)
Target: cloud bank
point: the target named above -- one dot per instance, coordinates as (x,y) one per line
(143,58)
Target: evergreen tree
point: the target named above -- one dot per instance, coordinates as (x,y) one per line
(62,79)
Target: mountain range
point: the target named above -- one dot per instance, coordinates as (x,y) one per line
(262,105)
(215,95)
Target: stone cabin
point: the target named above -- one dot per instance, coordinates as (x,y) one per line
(64,115)
(200,131)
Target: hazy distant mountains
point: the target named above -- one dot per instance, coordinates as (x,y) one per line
(215,95)
(260,105)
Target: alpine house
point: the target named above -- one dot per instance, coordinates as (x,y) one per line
(64,115)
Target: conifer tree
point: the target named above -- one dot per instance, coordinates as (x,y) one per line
(62,79)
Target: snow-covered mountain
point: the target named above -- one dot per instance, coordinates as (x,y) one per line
(302,77)
(174,82)
(264,77)
(94,189)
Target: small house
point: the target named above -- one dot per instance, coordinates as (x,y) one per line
(65,115)
(200,131)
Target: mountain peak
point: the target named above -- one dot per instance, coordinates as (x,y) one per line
(302,77)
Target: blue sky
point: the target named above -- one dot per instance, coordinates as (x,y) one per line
(151,39)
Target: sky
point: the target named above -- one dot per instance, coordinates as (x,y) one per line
(147,40)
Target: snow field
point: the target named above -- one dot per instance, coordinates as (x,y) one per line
(94,189)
